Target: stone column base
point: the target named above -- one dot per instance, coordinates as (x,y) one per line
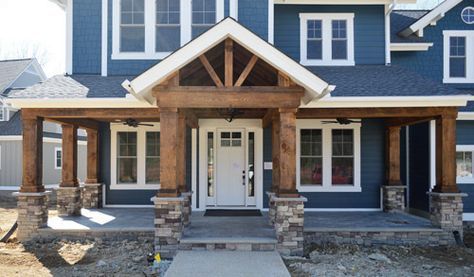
(69,201)
(187,209)
(92,196)
(446,211)
(289,225)
(168,224)
(271,208)
(32,213)
(393,198)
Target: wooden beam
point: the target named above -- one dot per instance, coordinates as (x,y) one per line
(32,155)
(69,156)
(229,62)
(211,71)
(275,120)
(191,119)
(287,153)
(168,153)
(245,73)
(268,118)
(326,113)
(283,80)
(98,113)
(92,157)
(446,155)
(252,97)
(400,122)
(392,156)
(82,123)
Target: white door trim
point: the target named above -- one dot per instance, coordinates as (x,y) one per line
(211,125)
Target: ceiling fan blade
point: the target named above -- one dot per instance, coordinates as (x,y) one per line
(145,124)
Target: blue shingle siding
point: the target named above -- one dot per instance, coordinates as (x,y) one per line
(419,163)
(430,63)
(369,30)
(86,37)
(465,136)
(253,14)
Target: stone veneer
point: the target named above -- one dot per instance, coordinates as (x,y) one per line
(69,201)
(169,224)
(289,225)
(32,214)
(393,198)
(446,211)
(187,209)
(271,208)
(92,196)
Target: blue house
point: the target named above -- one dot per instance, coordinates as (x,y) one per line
(288,106)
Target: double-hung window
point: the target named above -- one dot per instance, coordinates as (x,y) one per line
(132,26)
(326,39)
(58,158)
(168,31)
(328,156)
(458,56)
(464,164)
(203,16)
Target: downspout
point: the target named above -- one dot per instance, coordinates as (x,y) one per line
(388,10)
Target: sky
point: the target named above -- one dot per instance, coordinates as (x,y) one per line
(38,28)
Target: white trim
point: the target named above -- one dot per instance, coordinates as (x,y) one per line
(388,10)
(118,102)
(465,9)
(465,116)
(228,28)
(271,21)
(104,30)
(234,9)
(465,180)
(327,156)
(342,2)
(327,39)
(55,158)
(45,139)
(69,35)
(402,46)
(469,35)
(407,165)
(220,10)
(430,18)
(141,156)
(468,216)
(432,154)
(194,167)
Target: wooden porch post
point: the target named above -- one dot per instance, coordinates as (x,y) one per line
(393,156)
(276,152)
(181,152)
(69,156)
(169,122)
(32,155)
(92,157)
(287,152)
(446,154)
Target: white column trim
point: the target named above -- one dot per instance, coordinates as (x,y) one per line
(193,168)
(104,54)
(432,154)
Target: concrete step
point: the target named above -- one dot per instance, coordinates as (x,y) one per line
(228,243)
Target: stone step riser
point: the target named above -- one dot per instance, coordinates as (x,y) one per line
(227,246)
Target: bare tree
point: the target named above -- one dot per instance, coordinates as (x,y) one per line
(23,50)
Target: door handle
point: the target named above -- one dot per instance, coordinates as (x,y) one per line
(243,177)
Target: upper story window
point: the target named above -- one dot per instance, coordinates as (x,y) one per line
(467,15)
(458,56)
(152,29)
(326,39)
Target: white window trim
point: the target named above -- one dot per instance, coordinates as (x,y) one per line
(469,34)
(465,9)
(465,148)
(150,24)
(327,156)
(141,156)
(327,39)
(0,157)
(56,150)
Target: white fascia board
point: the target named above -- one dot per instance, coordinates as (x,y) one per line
(228,28)
(128,102)
(433,16)
(422,46)
(342,2)
(465,116)
(389,102)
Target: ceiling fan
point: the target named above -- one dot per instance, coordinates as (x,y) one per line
(135,123)
(342,121)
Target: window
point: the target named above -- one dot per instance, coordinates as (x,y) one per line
(127,157)
(467,15)
(231,139)
(203,16)
(326,39)
(251,164)
(152,29)
(458,56)
(2,114)
(132,25)
(210,164)
(58,158)
(168,31)
(328,156)
(464,164)
(152,158)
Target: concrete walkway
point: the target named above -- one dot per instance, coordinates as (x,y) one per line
(227,263)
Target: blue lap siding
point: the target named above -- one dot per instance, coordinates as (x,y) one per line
(369,30)
(465,136)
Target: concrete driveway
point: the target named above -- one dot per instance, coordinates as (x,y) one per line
(227,263)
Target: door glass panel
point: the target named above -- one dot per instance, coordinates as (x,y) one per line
(251,164)
(210,164)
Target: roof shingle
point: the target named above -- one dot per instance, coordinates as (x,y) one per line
(10,70)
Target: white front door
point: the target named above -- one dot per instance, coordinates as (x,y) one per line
(230,167)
